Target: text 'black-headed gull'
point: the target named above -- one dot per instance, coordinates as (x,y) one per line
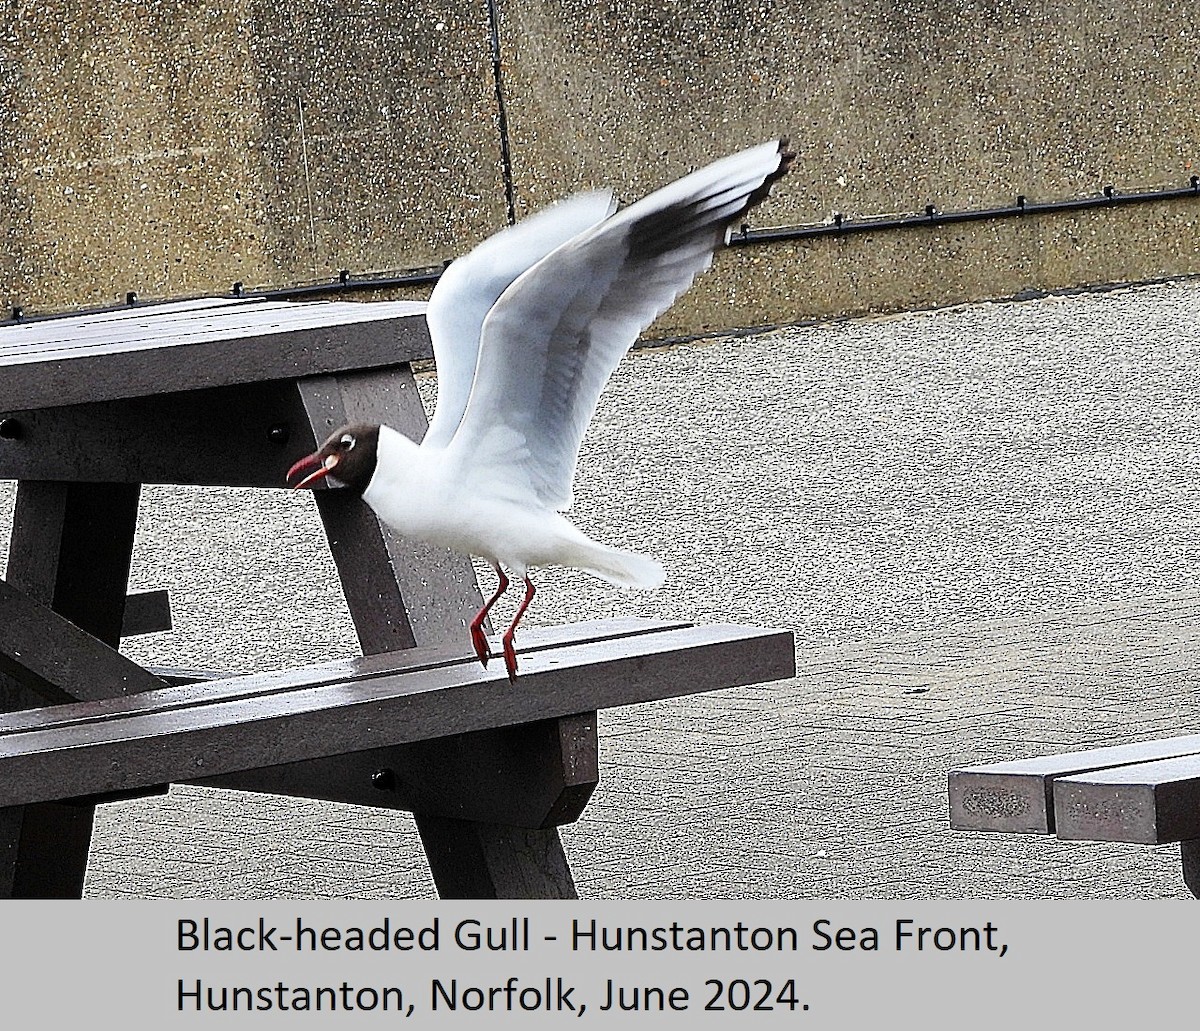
(526,330)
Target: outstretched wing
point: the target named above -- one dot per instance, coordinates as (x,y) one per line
(555,335)
(470,286)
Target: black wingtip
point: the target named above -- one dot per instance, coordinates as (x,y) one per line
(657,232)
(786,157)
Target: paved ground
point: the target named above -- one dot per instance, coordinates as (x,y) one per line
(981,523)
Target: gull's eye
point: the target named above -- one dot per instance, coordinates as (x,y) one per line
(347,442)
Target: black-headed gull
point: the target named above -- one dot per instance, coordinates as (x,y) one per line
(526,330)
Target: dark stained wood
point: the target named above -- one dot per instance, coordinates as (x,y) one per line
(175,676)
(57,660)
(1148,802)
(539,638)
(81,749)
(1017,796)
(1147,792)
(471,860)
(1189,852)
(149,350)
(43,850)
(70,549)
(206,688)
(239,436)
(232,392)
(154,327)
(82,320)
(146,612)
(1015,803)
(537,775)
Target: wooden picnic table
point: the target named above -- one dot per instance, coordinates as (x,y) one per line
(1145,792)
(230,392)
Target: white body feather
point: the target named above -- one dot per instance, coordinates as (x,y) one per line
(411,493)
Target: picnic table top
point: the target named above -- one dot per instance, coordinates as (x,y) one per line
(205,342)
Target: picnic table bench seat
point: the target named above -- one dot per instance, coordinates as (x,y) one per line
(1146,792)
(231,392)
(404,730)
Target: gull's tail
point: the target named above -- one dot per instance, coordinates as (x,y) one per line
(623,568)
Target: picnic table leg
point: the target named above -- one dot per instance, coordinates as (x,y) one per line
(468,860)
(70,549)
(1190,854)
(490,861)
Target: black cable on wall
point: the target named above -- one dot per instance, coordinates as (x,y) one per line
(837,226)
(745,236)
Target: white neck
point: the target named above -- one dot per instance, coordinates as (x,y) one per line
(399,471)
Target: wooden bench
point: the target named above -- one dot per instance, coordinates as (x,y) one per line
(221,391)
(1147,792)
(398,730)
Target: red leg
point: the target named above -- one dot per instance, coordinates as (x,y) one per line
(510,656)
(478,637)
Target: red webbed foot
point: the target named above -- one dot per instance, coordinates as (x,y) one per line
(510,655)
(479,639)
(479,642)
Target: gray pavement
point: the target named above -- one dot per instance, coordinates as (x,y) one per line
(981,523)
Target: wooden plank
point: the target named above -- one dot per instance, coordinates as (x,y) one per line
(1149,802)
(56,659)
(150,326)
(13,334)
(203,690)
(537,775)
(173,676)
(539,638)
(146,612)
(70,549)
(265,691)
(114,323)
(534,776)
(238,436)
(89,753)
(1016,796)
(330,338)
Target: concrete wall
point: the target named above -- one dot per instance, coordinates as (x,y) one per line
(175,147)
